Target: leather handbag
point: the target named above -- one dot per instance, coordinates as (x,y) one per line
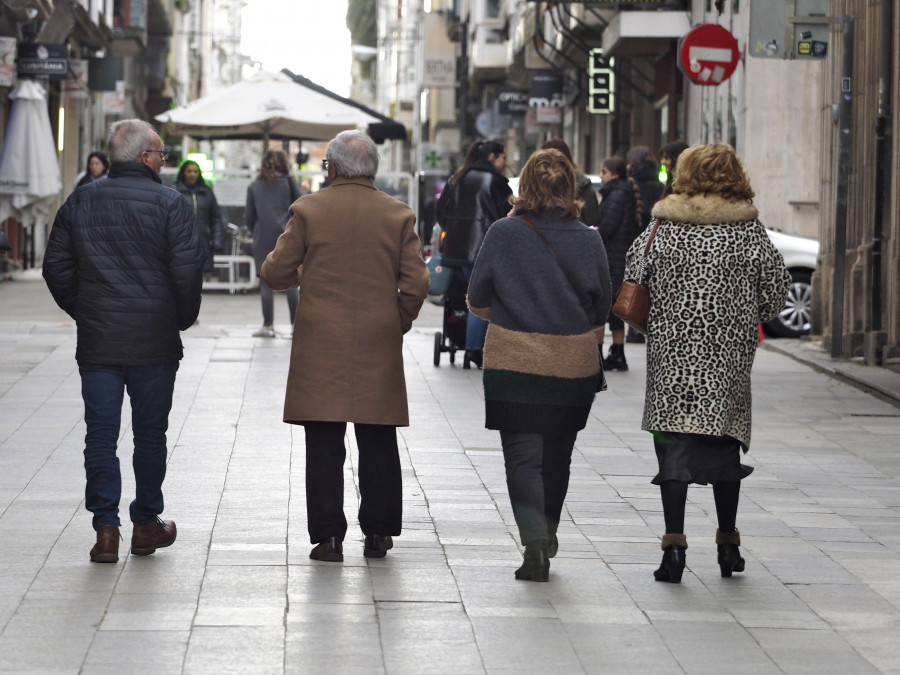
(632,303)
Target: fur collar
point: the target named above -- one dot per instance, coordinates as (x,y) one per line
(703,209)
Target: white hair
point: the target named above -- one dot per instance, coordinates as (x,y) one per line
(353,153)
(128,139)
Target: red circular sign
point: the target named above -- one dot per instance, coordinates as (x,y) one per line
(708,54)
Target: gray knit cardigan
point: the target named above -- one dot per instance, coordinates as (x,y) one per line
(540,355)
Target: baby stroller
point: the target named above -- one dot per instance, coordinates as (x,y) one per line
(456,313)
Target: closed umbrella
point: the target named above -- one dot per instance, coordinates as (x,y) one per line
(29,168)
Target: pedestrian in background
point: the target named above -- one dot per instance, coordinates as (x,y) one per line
(584,191)
(346,359)
(475,196)
(191,184)
(96,169)
(668,156)
(268,199)
(620,222)
(542,280)
(125,261)
(711,249)
(643,169)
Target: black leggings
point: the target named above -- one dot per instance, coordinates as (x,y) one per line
(674,496)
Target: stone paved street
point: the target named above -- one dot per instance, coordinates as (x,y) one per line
(237,593)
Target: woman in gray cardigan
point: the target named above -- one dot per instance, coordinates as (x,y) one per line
(542,280)
(268,199)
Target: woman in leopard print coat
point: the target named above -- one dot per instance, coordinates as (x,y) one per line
(713,275)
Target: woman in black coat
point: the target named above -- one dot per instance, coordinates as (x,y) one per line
(476,196)
(619,224)
(191,184)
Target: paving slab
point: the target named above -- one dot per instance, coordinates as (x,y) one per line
(820,522)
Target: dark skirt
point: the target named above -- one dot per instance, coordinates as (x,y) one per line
(698,458)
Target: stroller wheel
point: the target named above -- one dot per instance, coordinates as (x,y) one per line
(452,355)
(438,348)
(467,362)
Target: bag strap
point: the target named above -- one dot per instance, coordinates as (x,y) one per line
(642,264)
(652,235)
(555,256)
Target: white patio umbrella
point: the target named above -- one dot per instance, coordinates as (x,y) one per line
(267,105)
(29,168)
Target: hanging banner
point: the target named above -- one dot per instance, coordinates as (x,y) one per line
(440,53)
(7,61)
(114,101)
(76,82)
(546,96)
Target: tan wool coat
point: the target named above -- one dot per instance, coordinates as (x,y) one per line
(354,253)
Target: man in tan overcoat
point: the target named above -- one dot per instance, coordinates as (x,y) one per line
(354,253)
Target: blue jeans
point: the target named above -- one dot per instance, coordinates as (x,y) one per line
(476,330)
(150,391)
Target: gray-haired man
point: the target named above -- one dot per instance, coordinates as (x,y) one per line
(126,262)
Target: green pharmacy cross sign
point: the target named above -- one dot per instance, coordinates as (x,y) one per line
(434,158)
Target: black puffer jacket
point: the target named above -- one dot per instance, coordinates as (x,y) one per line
(125,261)
(617,224)
(209,218)
(467,210)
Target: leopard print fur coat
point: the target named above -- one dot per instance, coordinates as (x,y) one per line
(713,275)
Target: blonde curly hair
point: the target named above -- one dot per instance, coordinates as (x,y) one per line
(547,182)
(713,169)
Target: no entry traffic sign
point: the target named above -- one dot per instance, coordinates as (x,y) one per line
(708,54)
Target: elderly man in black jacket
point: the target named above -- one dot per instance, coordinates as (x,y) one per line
(125,261)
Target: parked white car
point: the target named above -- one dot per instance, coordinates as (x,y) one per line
(800,255)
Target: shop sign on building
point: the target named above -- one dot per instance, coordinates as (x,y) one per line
(45,60)
(545,95)
(512,102)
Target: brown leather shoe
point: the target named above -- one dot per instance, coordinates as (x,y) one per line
(377,545)
(106,550)
(328,550)
(147,538)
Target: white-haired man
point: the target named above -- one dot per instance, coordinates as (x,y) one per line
(125,261)
(354,253)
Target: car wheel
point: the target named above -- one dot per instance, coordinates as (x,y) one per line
(793,320)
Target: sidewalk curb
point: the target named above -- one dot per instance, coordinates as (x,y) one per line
(880,382)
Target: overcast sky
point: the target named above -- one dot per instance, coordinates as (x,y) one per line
(309,37)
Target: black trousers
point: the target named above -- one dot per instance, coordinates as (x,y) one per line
(380,482)
(537,476)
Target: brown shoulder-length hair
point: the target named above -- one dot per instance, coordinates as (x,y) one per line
(547,182)
(713,169)
(274,164)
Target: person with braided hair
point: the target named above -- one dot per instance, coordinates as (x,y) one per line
(620,222)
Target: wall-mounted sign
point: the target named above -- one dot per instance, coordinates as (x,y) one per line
(655,4)
(601,84)
(546,95)
(38,59)
(513,102)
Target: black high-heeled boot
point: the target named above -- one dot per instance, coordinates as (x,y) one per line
(672,566)
(615,358)
(730,559)
(536,566)
(553,546)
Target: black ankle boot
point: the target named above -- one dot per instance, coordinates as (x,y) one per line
(672,566)
(553,546)
(615,358)
(730,559)
(536,566)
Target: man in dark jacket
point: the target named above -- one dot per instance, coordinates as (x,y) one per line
(125,261)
